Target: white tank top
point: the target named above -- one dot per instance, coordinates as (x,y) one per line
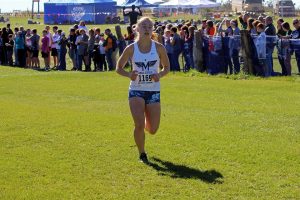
(145,64)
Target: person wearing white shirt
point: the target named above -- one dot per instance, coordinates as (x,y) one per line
(55,46)
(82,26)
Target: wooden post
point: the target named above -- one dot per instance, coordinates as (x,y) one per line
(197,51)
(246,52)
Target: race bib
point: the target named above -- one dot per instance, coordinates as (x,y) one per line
(144,78)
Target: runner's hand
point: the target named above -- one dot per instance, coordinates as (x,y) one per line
(155,77)
(133,75)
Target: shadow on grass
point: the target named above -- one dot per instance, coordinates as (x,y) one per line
(166,168)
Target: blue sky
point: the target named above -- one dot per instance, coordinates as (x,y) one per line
(26,4)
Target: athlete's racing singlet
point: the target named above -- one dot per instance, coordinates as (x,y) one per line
(145,64)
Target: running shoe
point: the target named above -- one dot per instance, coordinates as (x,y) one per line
(143,158)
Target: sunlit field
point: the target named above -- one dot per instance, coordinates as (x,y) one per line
(68,135)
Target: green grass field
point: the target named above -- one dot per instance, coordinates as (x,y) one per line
(68,135)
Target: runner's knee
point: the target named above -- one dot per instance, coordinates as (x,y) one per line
(139,126)
(152,131)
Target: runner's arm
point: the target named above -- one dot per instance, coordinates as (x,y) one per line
(128,52)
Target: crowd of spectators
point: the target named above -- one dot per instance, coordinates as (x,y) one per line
(97,49)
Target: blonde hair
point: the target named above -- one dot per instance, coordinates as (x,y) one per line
(140,21)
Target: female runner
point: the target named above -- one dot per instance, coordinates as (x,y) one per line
(144,91)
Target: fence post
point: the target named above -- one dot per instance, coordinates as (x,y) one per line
(197,51)
(246,52)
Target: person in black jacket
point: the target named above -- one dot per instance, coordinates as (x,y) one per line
(133,15)
(270,30)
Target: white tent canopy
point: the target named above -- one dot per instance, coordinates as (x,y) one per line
(190,4)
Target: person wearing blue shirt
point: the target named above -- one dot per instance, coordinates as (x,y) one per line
(20,46)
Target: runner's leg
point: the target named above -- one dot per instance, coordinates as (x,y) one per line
(152,119)
(137,107)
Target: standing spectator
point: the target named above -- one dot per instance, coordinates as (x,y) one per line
(243,20)
(296,35)
(96,54)
(250,27)
(83,26)
(210,28)
(261,19)
(110,45)
(15,49)
(159,34)
(133,15)
(28,47)
(177,48)
(228,31)
(82,45)
(8,29)
(58,46)
(270,31)
(260,44)
(72,47)
(63,51)
(226,51)
(54,46)
(280,33)
(169,47)
(20,46)
(46,49)
(91,45)
(102,61)
(4,37)
(190,41)
(35,40)
(204,26)
(1,48)
(287,52)
(235,47)
(49,35)
(10,49)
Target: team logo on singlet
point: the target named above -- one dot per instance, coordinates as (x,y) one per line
(145,66)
